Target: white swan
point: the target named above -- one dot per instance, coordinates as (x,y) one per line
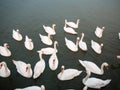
(53,61)
(50,30)
(71,45)
(118,56)
(95,83)
(32,88)
(69,30)
(4,70)
(46,39)
(82,44)
(28,43)
(93,67)
(72,24)
(96,47)
(16,35)
(49,50)
(4,51)
(99,31)
(23,68)
(39,67)
(68,74)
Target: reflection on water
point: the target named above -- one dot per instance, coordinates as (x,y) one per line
(29,15)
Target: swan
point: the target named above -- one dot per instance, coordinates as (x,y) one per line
(118,56)
(49,50)
(99,31)
(71,45)
(53,61)
(4,70)
(28,43)
(96,47)
(93,67)
(16,35)
(23,68)
(39,67)
(119,35)
(82,45)
(72,24)
(32,88)
(4,51)
(46,39)
(69,30)
(68,74)
(95,83)
(50,30)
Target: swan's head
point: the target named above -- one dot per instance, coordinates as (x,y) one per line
(101,44)
(2,64)
(82,34)
(103,28)
(62,68)
(6,45)
(28,67)
(106,65)
(56,42)
(53,26)
(42,87)
(17,30)
(78,38)
(78,20)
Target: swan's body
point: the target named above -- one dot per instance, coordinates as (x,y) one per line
(72,24)
(46,39)
(16,35)
(28,43)
(32,88)
(39,67)
(96,47)
(53,61)
(50,30)
(4,51)
(95,83)
(4,70)
(93,67)
(99,31)
(82,44)
(69,30)
(68,74)
(23,68)
(71,45)
(49,50)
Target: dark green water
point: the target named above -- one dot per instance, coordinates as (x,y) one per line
(30,15)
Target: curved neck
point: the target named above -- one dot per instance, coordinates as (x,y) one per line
(87,76)
(55,46)
(102,68)
(78,21)
(40,56)
(53,27)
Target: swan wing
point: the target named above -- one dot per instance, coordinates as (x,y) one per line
(91,66)
(70,30)
(39,68)
(49,30)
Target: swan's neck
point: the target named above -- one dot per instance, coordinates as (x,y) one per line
(53,27)
(55,46)
(40,55)
(77,23)
(49,36)
(102,68)
(77,42)
(87,76)
(82,37)
(65,25)
(85,88)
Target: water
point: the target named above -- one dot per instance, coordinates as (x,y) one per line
(30,15)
